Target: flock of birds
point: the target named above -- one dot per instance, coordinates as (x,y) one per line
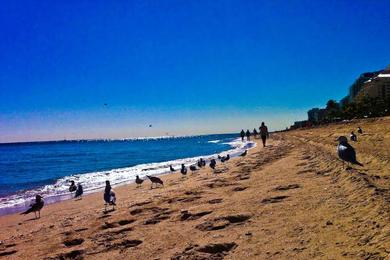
(156,181)
(109,195)
(344,150)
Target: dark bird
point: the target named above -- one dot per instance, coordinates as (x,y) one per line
(193,168)
(360,131)
(353,137)
(72,187)
(225,158)
(138,180)
(183,170)
(109,197)
(219,157)
(201,163)
(212,164)
(79,191)
(37,206)
(244,153)
(155,180)
(150,125)
(105,104)
(171,168)
(346,152)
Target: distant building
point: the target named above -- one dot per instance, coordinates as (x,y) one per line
(377,87)
(357,86)
(299,124)
(316,115)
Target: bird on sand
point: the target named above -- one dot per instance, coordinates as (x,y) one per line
(225,158)
(37,206)
(244,153)
(346,152)
(79,191)
(155,180)
(171,168)
(138,181)
(183,170)
(212,164)
(72,187)
(193,168)
(353,137)
(109,197)
(360,131)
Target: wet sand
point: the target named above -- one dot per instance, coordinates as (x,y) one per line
(290,200)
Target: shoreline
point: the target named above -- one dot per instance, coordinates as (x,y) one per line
(57,198)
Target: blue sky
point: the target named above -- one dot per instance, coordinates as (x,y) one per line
(187,67)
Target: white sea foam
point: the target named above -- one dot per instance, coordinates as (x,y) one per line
(214,141)
(95,181)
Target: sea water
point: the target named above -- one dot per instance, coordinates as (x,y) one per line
(46,168)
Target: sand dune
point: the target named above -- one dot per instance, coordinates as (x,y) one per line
(290,200)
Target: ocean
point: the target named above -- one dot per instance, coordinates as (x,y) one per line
(46,168)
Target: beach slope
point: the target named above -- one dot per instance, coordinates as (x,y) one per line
(292,199)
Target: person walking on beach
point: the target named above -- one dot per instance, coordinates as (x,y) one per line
(242,134)
(255,133)
(248,135)
(264,133)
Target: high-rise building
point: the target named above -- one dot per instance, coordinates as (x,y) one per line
(357,86)
(377,87)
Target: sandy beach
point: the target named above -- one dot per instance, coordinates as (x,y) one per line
(290,200)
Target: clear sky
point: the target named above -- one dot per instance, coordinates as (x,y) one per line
(186,67)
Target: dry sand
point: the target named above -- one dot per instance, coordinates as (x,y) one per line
(290,200)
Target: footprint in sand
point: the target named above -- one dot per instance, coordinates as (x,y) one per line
(215,201)
(274,199)
(73,242)
(6,253)
(185,215)
(287,187)
(223,222)
(209,251)
(158,218)
(75,254)
(123,222)
(188,196)
(218,183)
(239,188)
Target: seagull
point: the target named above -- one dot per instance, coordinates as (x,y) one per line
(212,164)
(109,197)
(155,180)
(37,206)
(72,187)
(138,180)
(193,168)
(346,152)
(183,170)
(244,153)
(353,137)
(225,158)
(171,168)
(79,191)
(201,163)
